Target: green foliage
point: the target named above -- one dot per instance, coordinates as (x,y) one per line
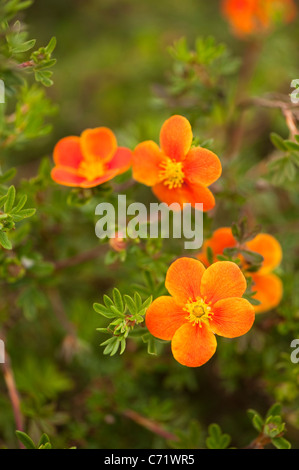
(13,212)
(271,428)
(126,313)
(116,72)
(284,168)
(189,439)
(43,443)
(216,439)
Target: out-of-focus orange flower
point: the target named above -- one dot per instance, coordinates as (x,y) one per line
(89,160)
(118,243)
(203,302)
(253,16)
(268,286)
(175,171)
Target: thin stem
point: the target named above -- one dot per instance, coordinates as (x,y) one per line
(13,394)
(150,425)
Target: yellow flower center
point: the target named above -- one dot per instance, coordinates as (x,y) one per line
(172,173)
(198,311)
(91,169)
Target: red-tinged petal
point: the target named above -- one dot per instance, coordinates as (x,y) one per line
(269,291)
(164,317)
(193,345)
(66,177)
(67,152)
(176,137)
(147,158)
(183,279)
(202,166)
(222,238)
(232,317)
(121,160)
(191,194)
(202,195)
(269,248)
(98,144)
(221,280)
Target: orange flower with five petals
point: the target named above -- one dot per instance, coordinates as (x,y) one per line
(89,160)
(268,286)
(203,302)
(254,16)
(175,171)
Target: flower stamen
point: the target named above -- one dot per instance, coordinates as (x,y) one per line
(199,311)
(172,173)
(91,169)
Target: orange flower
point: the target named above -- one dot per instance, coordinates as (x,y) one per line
(267,285)
(203,302)
(253,16)
(177,172)
(89,160)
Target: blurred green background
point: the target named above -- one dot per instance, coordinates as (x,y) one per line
(112,59)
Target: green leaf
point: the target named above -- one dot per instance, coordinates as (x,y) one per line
(43,440)
(252,257)
(146,303)
(293,146)
(25,439)
(275,410)
(107,301)
(258,423)
(20,205)
(26,46)
(25,213)
(3,200)
(118,301)
(138,301)
(99,308)
(130,304)
(216,439)
(151,344)
(4,241)
(278,142)
(115,348)
(281,443)
(51,46)
(210,255)
(256,419)
(11,195)
(122,346)
(8,175)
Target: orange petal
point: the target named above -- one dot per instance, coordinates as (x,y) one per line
(66,177)
(221,280)
(269,291)
(202,166)
(183,279)
(176,137)
(193,346)
(164,317)
(67,152)
(186,194)
(269,248)
(232,317)
(147,158)
(121,160)
(222,238)
(98,144)
(241,14)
